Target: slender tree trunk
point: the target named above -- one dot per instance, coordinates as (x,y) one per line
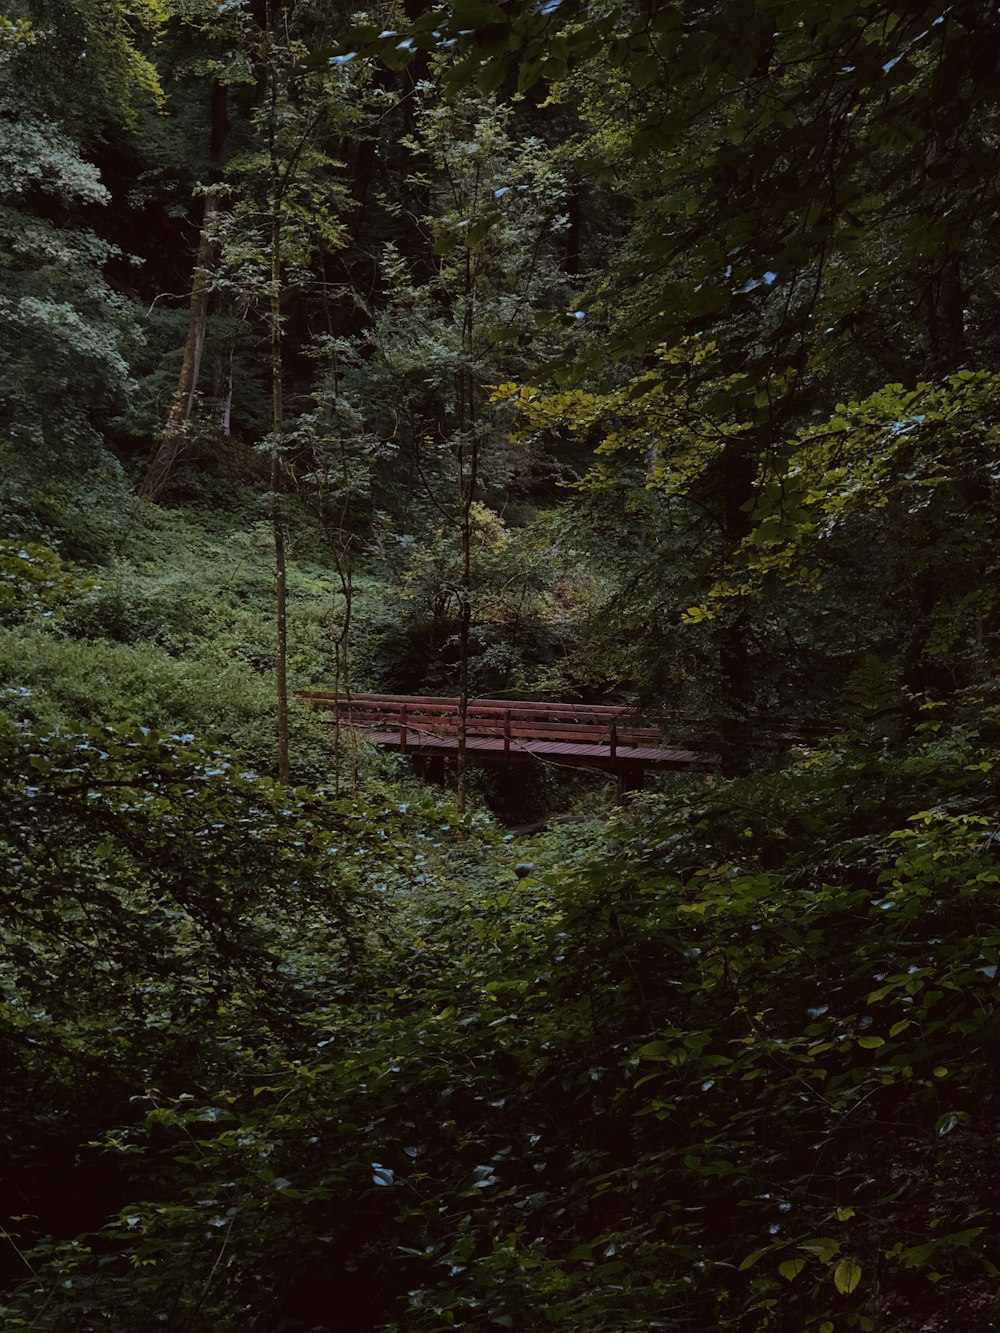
(277,426)
(336,528)
(734,651)
(944,316)
(174,439)
(944,321)
(574,232)
(464,637)
(943,311)
(281,620)
(222,387)
(468,468)
(342,675)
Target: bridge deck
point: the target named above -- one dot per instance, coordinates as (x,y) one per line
(593,755)
(606,736)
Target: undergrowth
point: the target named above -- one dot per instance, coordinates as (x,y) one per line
(283,1061)
(727,1062)
(174,632)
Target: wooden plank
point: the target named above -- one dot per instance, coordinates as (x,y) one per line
(325,698)
(492,725)
(500,726)
(625,742)
(696,730)
(553,730)
(603,734)
(546,749)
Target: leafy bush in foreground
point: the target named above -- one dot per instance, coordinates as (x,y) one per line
(727,1064)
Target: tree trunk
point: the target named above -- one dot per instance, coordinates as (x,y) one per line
(464,637)
(734,651)
(281,620)
(222,383)
(944,329)
(945,320)
(574,232)
(468,470)
(277,426)
(173,439)
(944,317)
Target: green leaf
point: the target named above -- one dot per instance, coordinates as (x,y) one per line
(477,232)
(752,1258)
(493,74)
(791,1268)
(824,1247)
(444,244)
(655,1050)
(846,1276)
(644,71)
(476,14)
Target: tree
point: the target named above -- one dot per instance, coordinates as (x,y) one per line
(267,252)
(797,176)
(478,256)
(112,39)
(172,442)
(68,334)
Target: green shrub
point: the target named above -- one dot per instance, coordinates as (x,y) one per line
(36,582)
(73,498)
(728,1063)
(60,683)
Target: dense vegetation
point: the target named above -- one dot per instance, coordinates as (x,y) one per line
(631,352)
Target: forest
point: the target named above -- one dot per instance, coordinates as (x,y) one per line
(586,352)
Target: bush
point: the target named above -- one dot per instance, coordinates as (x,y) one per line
(726,1063)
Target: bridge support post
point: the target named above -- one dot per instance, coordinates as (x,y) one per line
(429,768)
(630,777)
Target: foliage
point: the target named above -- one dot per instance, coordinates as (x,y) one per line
(417,647)
(762,144)
(175,634)
(114,835)
(81,511)
(68,332)
(721,1060)
(159,899)
(58,34)
(67,329)
(480,208)
(911,457)
(630,1082)
(33,581)
(918,451)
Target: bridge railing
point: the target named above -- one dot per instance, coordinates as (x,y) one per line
(414,717)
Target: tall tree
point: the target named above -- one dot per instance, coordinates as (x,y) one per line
(268,253)
(478,255)
(785,198)
(67,333)
(171,444)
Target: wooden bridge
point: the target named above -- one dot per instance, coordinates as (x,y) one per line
(603,736)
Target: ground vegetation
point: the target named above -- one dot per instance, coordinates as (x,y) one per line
(628,353)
